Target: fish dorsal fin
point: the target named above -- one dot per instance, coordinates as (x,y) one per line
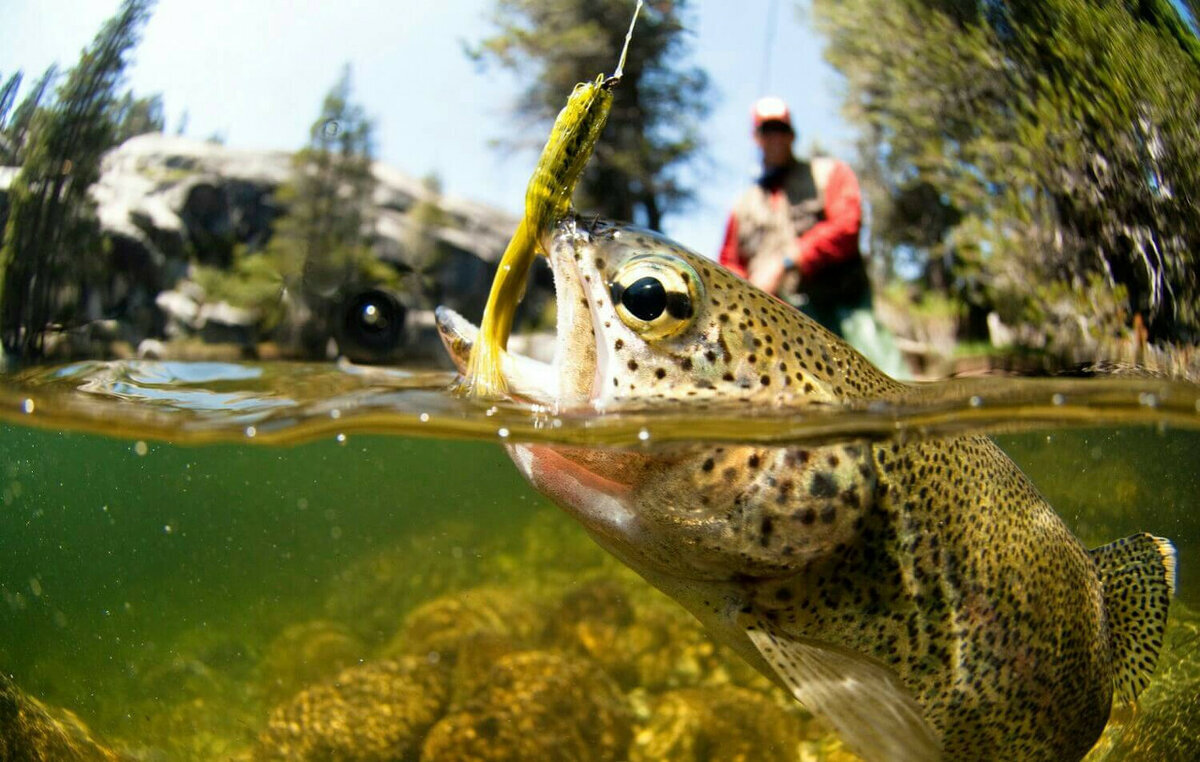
(865,702)
(1137,575)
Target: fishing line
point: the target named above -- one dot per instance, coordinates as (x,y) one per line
(764,80)
(628,37)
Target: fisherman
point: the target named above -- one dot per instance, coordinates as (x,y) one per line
(794,234)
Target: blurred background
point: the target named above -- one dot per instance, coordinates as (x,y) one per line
(246,180)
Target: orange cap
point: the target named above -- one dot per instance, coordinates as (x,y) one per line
(771,109)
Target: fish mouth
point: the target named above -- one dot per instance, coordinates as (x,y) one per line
(570,378)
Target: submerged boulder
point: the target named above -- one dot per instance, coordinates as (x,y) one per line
(376,712)
(306,653)
(536,705)
(30,730)
(717,723)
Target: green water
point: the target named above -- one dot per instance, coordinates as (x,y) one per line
(180,585)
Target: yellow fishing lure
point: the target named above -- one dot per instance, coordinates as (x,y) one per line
(547,199)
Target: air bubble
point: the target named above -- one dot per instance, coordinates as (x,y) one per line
(335,414)
(1058,400)
(140,448)
(331,128)
(251,432)
(27,406)
(341,439)
(502,433)
(423,417)
(976,401)
(644,435)
(1148,399)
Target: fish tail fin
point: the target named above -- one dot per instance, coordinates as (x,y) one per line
(1137,575)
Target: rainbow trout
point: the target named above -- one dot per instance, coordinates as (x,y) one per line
(920,597)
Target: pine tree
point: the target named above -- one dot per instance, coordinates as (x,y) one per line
(1044,149)
(653,131)
(138,116)
(51,231)
(322,247)
(14,130)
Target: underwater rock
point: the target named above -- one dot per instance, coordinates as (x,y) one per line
(668,648)
(553,550)
(307,653)
(376,712)
(1165,723)
(590,619)
(30,730)
(438,625)
(372,595)
(468,632)
(717,723)
(643,639)
(536,705)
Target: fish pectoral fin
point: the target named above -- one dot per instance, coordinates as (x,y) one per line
(1137,575)
(864,701)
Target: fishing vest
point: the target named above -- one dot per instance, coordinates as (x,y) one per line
(767,232)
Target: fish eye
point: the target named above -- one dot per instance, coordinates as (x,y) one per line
(645,298)
(655,295)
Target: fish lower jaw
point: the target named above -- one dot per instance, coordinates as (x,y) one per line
(525,376)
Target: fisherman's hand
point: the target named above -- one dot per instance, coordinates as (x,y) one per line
(769,276)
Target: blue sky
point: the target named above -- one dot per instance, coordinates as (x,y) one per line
(256,72)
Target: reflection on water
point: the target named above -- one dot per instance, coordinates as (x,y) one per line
(397,592)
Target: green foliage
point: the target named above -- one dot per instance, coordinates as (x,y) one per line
(1038,148)
(252,282)
(653,131)
(321,244)
(14,130)
(138,116)
(51,230)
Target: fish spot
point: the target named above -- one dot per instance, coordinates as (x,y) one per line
(709,464)
(822,485)
(685,364)
(765,526)
(618,344)
(660,373)
(754,461)
(632,365)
